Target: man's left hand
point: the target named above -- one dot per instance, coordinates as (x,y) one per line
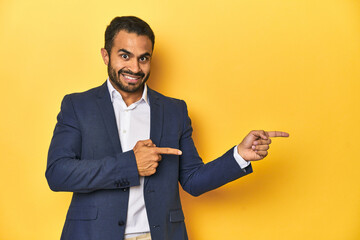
(256,144)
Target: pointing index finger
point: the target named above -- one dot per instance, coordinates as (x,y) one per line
(171,151)
(278,134)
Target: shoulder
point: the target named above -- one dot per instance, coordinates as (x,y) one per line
(88,95)
(85,100)
(91,93)
(165,99)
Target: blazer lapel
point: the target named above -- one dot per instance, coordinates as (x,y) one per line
(107,112)
(156,121)
(156,117)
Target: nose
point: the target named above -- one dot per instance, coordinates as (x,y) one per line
(134,66)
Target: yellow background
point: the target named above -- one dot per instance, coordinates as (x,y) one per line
(288,65)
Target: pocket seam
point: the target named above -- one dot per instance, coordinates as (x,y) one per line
(177,216)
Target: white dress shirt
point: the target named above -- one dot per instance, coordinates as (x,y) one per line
(133,124)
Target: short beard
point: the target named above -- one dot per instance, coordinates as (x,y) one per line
(115,79)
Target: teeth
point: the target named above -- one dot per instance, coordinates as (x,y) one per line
(131,78)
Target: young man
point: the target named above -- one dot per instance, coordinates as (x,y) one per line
(122,148)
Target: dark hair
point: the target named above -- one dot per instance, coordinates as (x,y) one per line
(130,24)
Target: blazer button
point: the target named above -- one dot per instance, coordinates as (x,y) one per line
(121,223)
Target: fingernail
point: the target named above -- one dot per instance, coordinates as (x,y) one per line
(180,152)
(253,147)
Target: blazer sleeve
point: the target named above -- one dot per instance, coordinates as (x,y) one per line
(68,171)
(196,177)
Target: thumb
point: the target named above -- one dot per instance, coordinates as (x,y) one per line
(248,140)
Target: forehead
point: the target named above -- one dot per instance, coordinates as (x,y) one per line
(137,44)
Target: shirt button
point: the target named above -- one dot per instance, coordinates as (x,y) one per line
(124,131)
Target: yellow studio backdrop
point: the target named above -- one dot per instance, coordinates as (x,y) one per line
(288,65)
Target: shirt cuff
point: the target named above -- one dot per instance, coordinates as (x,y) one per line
(242,163)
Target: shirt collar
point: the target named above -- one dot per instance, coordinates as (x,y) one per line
(114,93)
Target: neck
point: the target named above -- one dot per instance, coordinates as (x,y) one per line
(131,97)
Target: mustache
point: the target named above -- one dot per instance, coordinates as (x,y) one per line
(138,74)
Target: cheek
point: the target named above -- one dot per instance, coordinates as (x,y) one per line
(116,64)
(113,72)
(146,68)
(116,70)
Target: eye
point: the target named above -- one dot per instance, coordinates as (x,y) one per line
(143,59)
(125,56)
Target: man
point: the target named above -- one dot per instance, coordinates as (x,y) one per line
(122,148)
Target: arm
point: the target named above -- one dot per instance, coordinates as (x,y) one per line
(196,177)
(67,170)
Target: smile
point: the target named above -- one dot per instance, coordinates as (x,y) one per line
(131,79)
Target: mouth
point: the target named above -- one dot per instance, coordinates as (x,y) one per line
(131,78)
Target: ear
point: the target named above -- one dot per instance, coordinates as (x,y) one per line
(105,56)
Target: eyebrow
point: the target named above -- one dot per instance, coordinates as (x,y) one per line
(147,54)
(124,50)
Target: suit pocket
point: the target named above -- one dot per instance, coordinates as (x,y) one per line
(177,216)
(82,213)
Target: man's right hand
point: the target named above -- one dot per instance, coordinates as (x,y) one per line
(148,156)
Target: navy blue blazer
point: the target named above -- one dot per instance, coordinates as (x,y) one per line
(85,158)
